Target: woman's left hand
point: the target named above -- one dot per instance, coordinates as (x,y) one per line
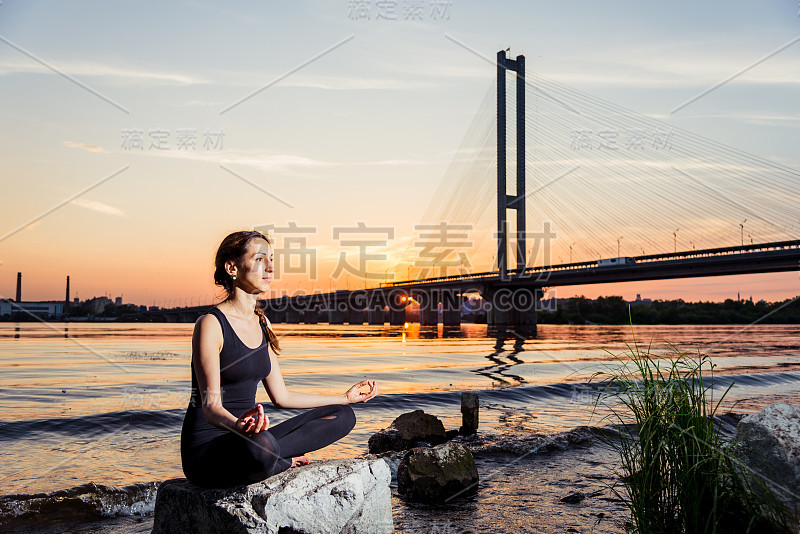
(355,395)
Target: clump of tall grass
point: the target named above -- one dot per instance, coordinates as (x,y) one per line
(680,475)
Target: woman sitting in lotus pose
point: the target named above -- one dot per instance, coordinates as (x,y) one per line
(226,439)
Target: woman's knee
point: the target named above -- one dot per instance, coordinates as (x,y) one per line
(265,449)
(347,416)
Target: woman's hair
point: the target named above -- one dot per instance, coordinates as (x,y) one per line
(233,248)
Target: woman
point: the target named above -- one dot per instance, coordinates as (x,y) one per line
(226,439)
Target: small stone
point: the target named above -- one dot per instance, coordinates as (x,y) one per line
(385,440)
(574,498)
(408,430)
(469,413)
(420,426)
(437,474)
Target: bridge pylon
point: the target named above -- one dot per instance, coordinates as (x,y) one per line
(505,201)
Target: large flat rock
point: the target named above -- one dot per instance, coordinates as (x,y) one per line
(335,496)
(770,446)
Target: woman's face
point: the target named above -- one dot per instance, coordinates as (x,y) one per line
(255,273)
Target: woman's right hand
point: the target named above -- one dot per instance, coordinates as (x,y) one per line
(253,421)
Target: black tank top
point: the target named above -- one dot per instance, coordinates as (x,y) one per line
(241,370)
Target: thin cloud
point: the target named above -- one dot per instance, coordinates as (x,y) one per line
(278,163)
(390,162)
(127,74)
(98,207)
(675,68)
(85,146)
(158,76)
(767,119)
(339,83)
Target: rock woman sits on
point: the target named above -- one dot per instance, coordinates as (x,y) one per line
(226,439)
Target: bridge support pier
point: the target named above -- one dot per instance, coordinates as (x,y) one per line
(495,314)
(451,318)
(356,316)
(311,316)
(336,316)
(293,316)
(375,316)
(428,308)
(512,306)
(276,316)
(397,302)
(526,318)
(275,309)
(451,307)
(397,317)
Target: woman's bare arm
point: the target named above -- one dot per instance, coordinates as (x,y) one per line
(282,397)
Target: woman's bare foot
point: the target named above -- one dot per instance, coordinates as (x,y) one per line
(300,460)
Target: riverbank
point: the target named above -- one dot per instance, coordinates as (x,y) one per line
(529,482)
(105,404)
(522,481)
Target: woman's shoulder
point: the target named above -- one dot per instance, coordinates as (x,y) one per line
(209,320)
(208,332)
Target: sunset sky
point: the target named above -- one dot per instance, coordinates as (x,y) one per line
(137,135)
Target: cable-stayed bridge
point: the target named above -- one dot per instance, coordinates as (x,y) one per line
(624,196)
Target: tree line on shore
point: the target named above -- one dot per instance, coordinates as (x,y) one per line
(614,310)
(576,310)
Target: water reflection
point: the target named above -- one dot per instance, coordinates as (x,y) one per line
(440,331)
(502,361)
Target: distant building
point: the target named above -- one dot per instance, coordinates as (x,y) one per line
(553,304)
(640,300)
(98,304)
(118,301)
(43,310)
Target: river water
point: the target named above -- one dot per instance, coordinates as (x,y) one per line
(103,403)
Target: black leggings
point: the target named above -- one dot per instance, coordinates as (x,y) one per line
(234,459)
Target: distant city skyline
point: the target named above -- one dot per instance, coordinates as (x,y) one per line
(136,136)
(555,293)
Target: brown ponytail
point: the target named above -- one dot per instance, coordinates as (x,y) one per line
(273,339)
(233,248)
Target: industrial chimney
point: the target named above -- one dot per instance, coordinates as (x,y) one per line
(66,298)
(19,287)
